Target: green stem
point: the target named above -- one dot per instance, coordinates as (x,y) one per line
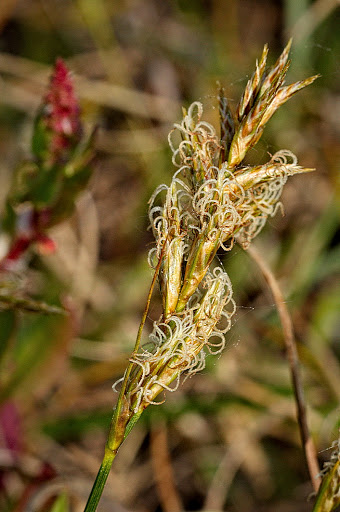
(132,423)
(98,486)
(104,470)
(121,425)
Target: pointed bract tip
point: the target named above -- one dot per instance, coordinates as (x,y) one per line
(289,44)
(306,169)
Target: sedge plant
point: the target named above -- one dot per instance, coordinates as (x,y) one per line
(213,200)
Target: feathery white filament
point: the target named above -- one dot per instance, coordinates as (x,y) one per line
(178,344)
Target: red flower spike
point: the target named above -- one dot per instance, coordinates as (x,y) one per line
(61,110)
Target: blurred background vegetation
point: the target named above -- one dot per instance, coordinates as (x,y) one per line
(228,439)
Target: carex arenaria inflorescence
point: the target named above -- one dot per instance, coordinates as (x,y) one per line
(212,200)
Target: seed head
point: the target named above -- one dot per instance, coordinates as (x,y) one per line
(211,201)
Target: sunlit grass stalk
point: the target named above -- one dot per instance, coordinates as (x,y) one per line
(212,199)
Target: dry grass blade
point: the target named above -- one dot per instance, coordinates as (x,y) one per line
(163,472)
(293,359)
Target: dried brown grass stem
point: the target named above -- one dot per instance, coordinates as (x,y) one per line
(163,471)
(294,366)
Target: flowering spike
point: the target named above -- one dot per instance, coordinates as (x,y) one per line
(58,128)
(209,203)
(277,73)
(283,94)
(264,94)
(252,87)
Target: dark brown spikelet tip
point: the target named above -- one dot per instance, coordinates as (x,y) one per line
(61,110)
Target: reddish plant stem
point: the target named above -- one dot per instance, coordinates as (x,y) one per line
(293,360)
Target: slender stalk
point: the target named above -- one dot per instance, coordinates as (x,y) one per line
(98,486)
(293,359)
(122,422)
